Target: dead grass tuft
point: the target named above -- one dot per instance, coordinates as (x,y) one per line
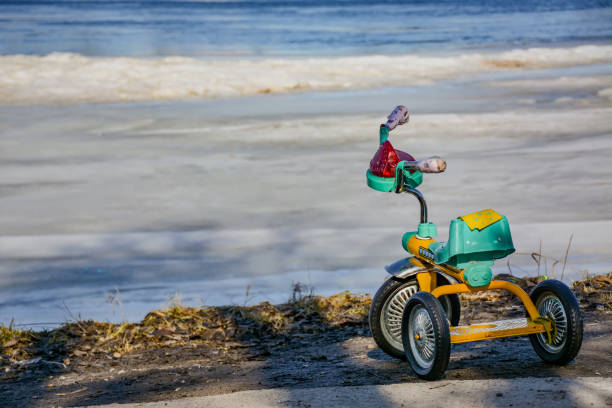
(595,292)
(180,325)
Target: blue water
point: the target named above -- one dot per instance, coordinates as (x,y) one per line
(295,28)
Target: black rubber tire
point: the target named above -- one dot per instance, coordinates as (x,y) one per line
(393,285)
(440,336)
(453,304)
(562,353)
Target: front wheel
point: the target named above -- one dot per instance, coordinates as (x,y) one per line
(555,301)
(388,306)
(426,336)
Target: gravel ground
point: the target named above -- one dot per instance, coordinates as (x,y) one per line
(335,358)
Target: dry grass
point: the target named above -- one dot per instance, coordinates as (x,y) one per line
(17,343)
(179,325)
(595,292)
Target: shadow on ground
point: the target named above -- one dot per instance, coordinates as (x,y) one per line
(303,358)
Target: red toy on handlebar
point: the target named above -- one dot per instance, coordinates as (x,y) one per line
(385,160)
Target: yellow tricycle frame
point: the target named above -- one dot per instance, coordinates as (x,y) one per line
(461,334)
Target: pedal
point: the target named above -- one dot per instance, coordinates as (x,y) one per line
(493,330)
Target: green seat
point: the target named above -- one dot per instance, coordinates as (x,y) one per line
(469,245)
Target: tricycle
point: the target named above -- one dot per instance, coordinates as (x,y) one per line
(415,314)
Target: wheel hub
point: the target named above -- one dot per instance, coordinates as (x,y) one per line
(551,308)
(422,339)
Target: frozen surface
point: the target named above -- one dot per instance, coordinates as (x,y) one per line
(70,78)
(205,198)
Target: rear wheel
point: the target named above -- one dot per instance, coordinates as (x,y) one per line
(388,307)
(426,336)
(554,300)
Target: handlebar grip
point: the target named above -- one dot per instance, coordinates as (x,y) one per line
(399,116)
(433,164)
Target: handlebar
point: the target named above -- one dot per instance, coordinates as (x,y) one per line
(405,183)
(433,164)
(399,116)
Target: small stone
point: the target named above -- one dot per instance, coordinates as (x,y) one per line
(499,394)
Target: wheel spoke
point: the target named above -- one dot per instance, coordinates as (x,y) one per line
(422,338)
(551,307)
(393,310)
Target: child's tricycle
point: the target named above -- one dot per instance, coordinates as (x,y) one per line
(416,312)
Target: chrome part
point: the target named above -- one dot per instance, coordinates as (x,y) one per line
(403,268)
(392,312)
(421,199)
(550,306)
(421,336)
(498,325)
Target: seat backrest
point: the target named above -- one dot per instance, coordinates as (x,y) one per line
(466,244)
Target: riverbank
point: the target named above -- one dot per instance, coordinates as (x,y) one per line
(310,341)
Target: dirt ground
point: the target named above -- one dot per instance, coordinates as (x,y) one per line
(339,357)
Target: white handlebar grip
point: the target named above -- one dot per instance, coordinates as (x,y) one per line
(432,165)
(399,116)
